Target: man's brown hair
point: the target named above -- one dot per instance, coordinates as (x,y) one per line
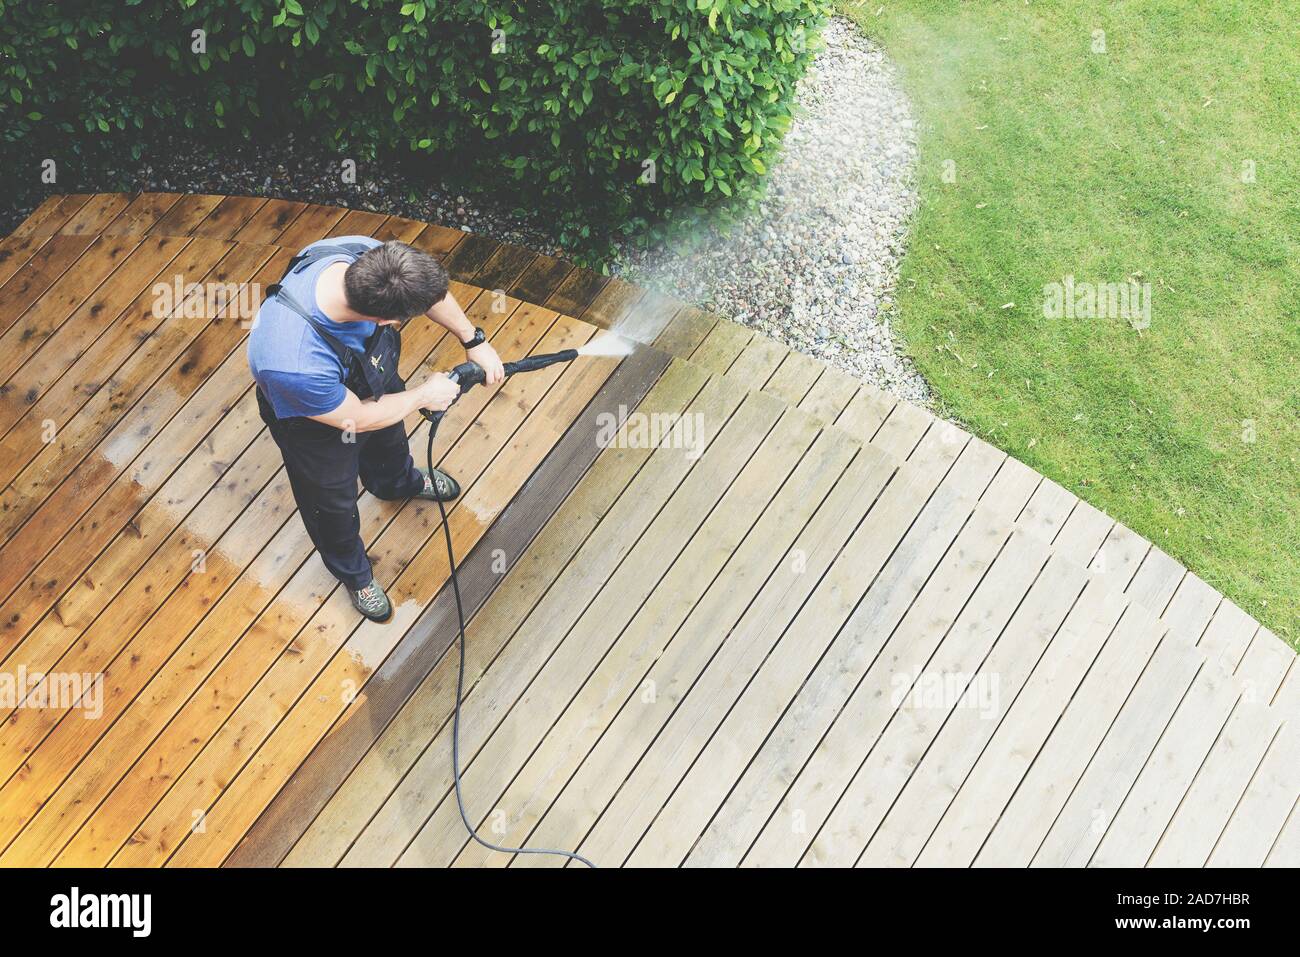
(394,281)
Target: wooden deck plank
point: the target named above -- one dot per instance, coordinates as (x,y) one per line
(621,684)
(832,688)
(359,222)
(16,252)
(538,282)
(685,331)
(1285,851)
(1270,795)
(128,466)
(576,292)
(614,301)
(1224,778)
(57,304)
(757,362)
(1136,827)
(504,267)
(827,396)
(185,215)
(34,278)
(272,630)
(661,830)
(307,792)
(229,217)
(470,255)
(439,240)
(170,689)
(732,474)
(81,356)
(42,212)
(52,214)
(270,221)
(722,347)
(1130,739)
(99,211)
(797,376)
(497,687)
(380,771)
(403,230)
(131,381)
(1026,817)
(977,786)
(142,213)
(312,224)
(238,804)
(900,834)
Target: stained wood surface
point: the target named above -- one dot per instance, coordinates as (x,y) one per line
(727,606)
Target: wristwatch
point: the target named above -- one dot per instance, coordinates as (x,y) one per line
(477,339)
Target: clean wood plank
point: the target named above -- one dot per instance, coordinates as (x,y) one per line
(229,217)
(1083,533)
(863,416)
(60,301)
(359,222)
(46,266)
(184,215)
(401,229)
(142,213)
(99,332)
(99,211)
(41,213)
(238,805)
(402,742)
(16,252)
(270,222)
(312,224)
(621,684)
(832,687)
(558,677)
(492,694)
(52,214)
(170,688)
(97,418)
(439,240)
(306,793)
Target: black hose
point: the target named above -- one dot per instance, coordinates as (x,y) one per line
(434,421)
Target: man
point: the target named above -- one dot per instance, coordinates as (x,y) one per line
(324,351)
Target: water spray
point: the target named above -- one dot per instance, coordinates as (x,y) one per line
(467,375)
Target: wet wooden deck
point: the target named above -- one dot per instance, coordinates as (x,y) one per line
(812,626)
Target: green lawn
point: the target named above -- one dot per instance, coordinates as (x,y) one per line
(1106,166)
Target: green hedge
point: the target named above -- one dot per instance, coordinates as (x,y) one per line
(565,99)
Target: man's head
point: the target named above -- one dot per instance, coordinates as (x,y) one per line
(394,281)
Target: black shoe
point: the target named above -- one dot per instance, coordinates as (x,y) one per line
(372,602)
(438,486)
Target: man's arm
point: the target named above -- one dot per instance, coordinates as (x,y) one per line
(354,415)
(451,317)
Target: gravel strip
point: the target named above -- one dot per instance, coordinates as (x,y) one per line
(816,267)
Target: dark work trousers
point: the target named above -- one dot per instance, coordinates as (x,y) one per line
(323,470)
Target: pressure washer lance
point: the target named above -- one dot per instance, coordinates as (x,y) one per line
(467,375)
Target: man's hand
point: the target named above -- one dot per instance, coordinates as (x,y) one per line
(437,392)
(487,357)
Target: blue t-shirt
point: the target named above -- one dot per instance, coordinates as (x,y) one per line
(296,369)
